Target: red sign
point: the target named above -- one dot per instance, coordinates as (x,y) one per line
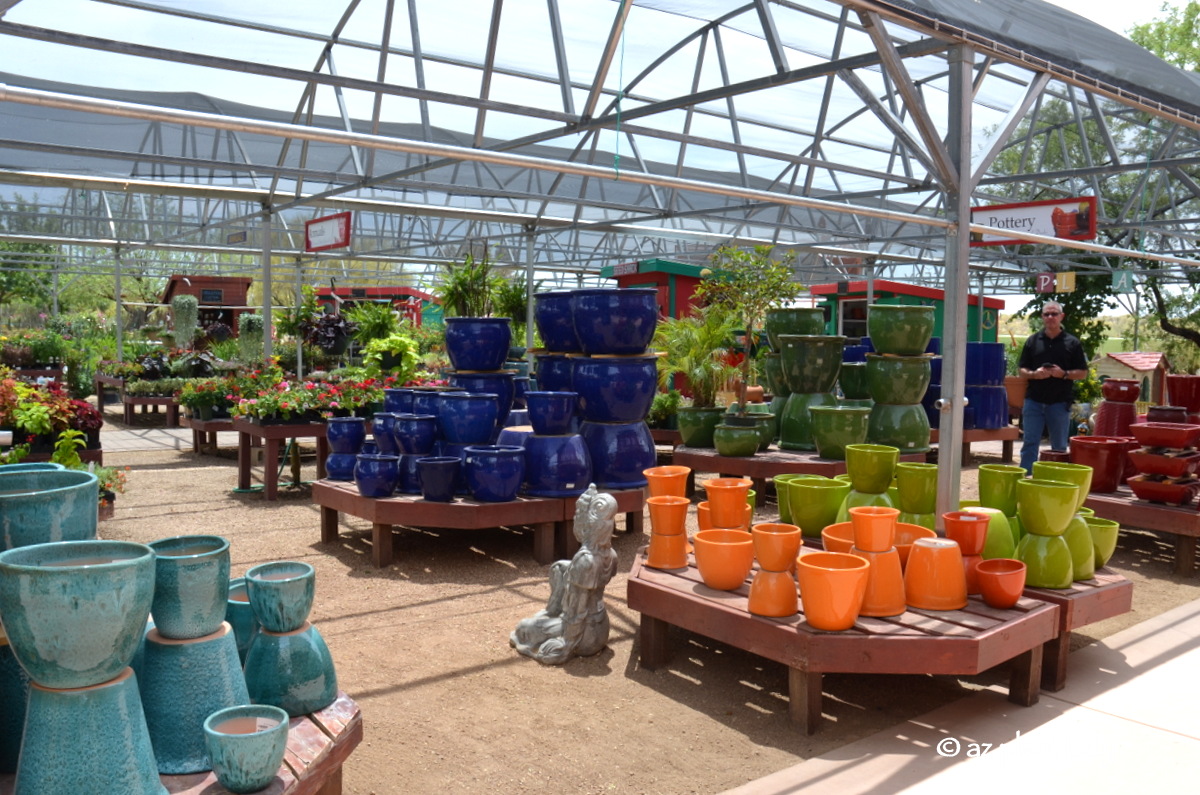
(625,269)
(332,231)
(1069,219)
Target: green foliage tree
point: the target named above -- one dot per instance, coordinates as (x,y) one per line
(1175,37)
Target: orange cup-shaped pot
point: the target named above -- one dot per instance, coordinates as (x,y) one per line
(968,529)
(1001,581)
(667,551)
(668,515)
(885,584)
(906,534)
(667,481)
(724,557)
(704,518)
(776,545)
(727,500)
(773,594)
(934,578)
(838,537)
(874,527)
(833,585)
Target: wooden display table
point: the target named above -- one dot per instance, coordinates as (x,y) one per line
(271,437)
(317,747)
(204,432)
(1183,522)
(1006,436)
(102,382)
(956,642)
(131,402)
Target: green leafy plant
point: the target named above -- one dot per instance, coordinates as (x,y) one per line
(397,351)
(664,406)
(185,309)
(34,418)
(511,300)
(67,447)
(468,287)
(697,347)
(250,337)
(372,319)
(14,454)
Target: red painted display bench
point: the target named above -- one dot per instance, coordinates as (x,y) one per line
(551,519)
(1006,436)
(955,642)
(1183,522)
(271,437)
(317,747)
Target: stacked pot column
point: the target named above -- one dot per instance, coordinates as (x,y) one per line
(780,321)
(811,364)
(987,399)
(898,375)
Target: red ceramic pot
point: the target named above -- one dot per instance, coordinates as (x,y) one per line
(1171,464)
(1113,418)
(1165,434)
(1122,390)
(1167,414)
(1184,390)
(1106,455)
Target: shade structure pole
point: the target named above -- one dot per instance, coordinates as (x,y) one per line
(268,325)
(118,321)
(529,238)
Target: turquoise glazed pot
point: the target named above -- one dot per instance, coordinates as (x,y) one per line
(240,616)
(91,740)
(281,594)
(1079,474)
(815,503)
(1104,538)
(805,320)
(871,467)
(834,427)
(292,670)
(1083,553)
(14,695)
(1045,507)
(696,425)
(737,440)
(898,379)
(916,485)
(795,424)
(852,378)
(75,611)
(191,585)
(246,745)
(905,427)
(36,466)
(998,486)
(1047,560)
(1001,541)
(39,506)
(811,362)
(900,329)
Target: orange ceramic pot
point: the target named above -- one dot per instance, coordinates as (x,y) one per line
(885,584)
(874,527)
(724,557)
(727,500)
(668,515)
(1001,581)
(667,551)
(773,594)
(838,537)
(906,534)
(776,545)
(667,481)
(833,585)
(934,578)
(968,530)
(703,516)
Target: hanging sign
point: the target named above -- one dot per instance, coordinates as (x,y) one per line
(332,231)
(1122,281)
(1069,219)
(1049,282)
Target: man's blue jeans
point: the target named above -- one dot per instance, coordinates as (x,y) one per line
(1037,417)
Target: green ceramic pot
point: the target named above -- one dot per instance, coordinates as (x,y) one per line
(736,440)
(898,379)
(793,320)
(1083,553)
(1045,507)
(782,493)
(1079,474)
(900,329)
(815,503)
(795,424)
(811,362)
(1047,561)
(922,519)
(904,427)
(856,499)
(853,380)
(1104,538)
(773,374)
(778,403)
(696,425)
(998,486)
(834,427)
(767,429)
(860,402)
(1000,541)
(917,487)
(871,466)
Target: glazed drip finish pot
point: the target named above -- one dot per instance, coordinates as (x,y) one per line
(240,616)
(246,744)
(773,373)
(291,670)
(615,388)
(903,426)
(615,321)
(40,506)
(724,558)
(14,695)
(494,473)
(796,422)
(900,329)
(191,585)
(852,378)
(736,440)
(811,363)
(832,586)
(697,425)
(478,343)
(1045,507)
(36,466)
(554,316)
(803,320)
(281,593)
(898,380)
(619,453)
(834,427)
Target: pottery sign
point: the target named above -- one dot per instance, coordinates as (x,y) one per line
(1069,219)
(332,231)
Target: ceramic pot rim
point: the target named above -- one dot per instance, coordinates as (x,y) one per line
(268,711)
(832,561)
(1044,483)
(828,338)
(668,499)
(378,456)
(17,559)
(439,459)
(841,410)
(75,478)
(723,536)
(464,318)
(493,449)
(162,545)
(776,528)
(541,393)
(1000,566)
(615,291)
(464,396)
(301,569)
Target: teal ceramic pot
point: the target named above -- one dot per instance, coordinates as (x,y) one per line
(1000,542)
(36,466)
(1045,507)
(871,467)
(75,611)
(795,424)
(182,683)
(805,320)
(696,425)
(14,695)
(291,670)
(91,740)
(834,427)
(815,503)
(916,487)
(897,379)
(811,362)
(998,486)
(856,499)
(1047,561)
(1079,474)
(240,616)
(1104,538)
(281,594)
(905,427)
(40,506)
(773,373)
(852,378)
(191,585)
(1083,553)
(900,329)
(737,440)
(246,745)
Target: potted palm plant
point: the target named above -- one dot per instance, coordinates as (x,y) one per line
(475,341)
(696,347)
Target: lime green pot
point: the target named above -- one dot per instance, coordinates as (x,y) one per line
(1083,553)
(905,427)
(871,467)
(1047,561)
(811,362)
(923,519)
(900,329)
(853,381)
(696,425)
(773,373)
(857,499)
(793,320)
(898,379)
(834,427)
(736,440)
(1104,538)
(783,493)
(916,485)
(998,486)
(1001,542)
(1045,507)
(1079,474)
(795,424)
(815,503)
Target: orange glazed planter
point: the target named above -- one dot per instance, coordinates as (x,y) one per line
(832,585)
(667,481)
(668,515)
(934,578)
(727,500)
(704,518)
(838,537)
(667,551)
(906,534)
(776,545)
(884,595)
(724,558)
(1001,581)
(874,527)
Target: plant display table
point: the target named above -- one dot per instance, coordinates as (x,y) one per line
(551,519)
(317,747)
(956,642)
(204,432)
(131,402)
(102,382)
(1005,435)
(1183,522)
(271,437)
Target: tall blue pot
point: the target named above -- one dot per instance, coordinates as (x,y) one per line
(345,434)
(553,314)
(615,389)
(383,430)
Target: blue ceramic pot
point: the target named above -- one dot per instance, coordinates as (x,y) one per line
(426,400)
(383,432)
(550,413)
(376,475)
(398,400)
(340,466)
(499,383)
(619,453)
(415,433)
(514,435)
(468,418)
(240,616)
(553,372)
(985,364)
(346,434)
(75,611)
(554,316)
(557,466)
(293,671)
(14,695)
(191,585)
(439,477)
(281,594)
(39,506)
(478,343)
(459,451)
(615,389)
(494,472)
(520,389)
(409,481)
(246,744)
(615,321)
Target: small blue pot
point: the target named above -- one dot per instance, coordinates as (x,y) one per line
(478,343)
(415,433)
(554,317)
(398,400)
(468,418)
(281,594)
(553,372)
(557,466)
(410,481)
(439,477)
(246,745)
(619,453)
(383,428)
(615,321)
(498,383)
(376,475)
(340,466)
(494,472)
(345,434)
(615,389)
(520,390)
(293,671)
(550,413)
(191,585)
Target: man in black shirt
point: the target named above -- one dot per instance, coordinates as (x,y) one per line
(1052,360)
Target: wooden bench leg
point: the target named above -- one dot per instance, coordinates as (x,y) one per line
(381,545)
(1025,677)
(804,698)
(1185,555)
(333,784)
(195,440)
(545,538)
(329,525)
(652,642)
(634,522)
(127,409)
(1006,451)
(1054,662)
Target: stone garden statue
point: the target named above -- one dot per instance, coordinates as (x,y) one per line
(575,621)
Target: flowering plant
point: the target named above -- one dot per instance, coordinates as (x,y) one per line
(348,395)
(426,378)
(283,399)
(199,393)
(119,369)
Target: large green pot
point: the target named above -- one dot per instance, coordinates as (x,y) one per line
(870,467)
(811,362)
(795,424)
(1001,541)
(773,373)
(1104,537)
(1045,507)
(778,404)
(853,380)
(815,503)
(1083,553)
(782,493)
(905,427)
(916,485)
(1079,474)
(768,429)
(898,379)
(900,329)
(793,320)
(696,425)
(834,427)
(998,486)
(1047,561)
(859,499)
(736,440)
